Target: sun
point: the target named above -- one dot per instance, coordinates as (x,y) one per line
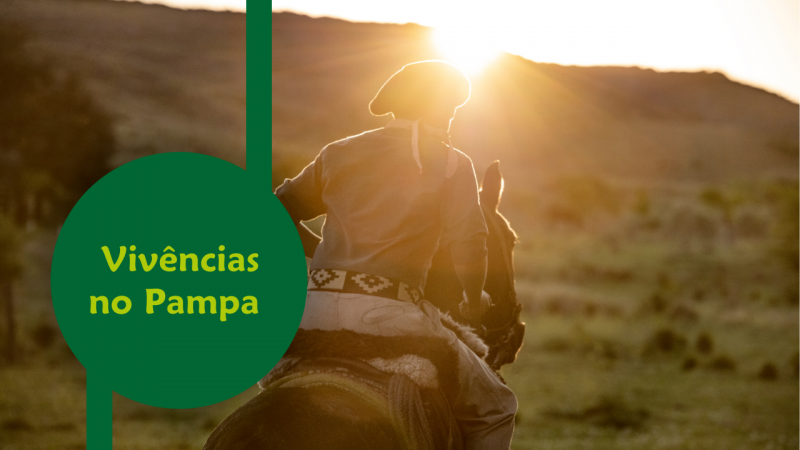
(467,49)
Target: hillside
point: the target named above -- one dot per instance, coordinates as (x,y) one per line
(175,80)
(545,119)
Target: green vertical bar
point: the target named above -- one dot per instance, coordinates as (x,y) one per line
(98,413)
(259,90)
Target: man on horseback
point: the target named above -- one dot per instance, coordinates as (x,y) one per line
(393,196)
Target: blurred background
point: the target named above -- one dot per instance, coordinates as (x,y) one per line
(650,157)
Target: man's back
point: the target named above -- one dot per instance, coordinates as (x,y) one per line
(385,212)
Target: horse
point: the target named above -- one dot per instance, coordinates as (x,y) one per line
(500,327)
(344,403)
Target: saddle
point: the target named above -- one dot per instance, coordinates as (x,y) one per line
(418,417)
(352,390)
(343,403)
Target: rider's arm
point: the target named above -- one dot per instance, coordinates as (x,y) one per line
(465,232)
(302,198)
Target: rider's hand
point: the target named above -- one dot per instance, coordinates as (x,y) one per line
(475,310)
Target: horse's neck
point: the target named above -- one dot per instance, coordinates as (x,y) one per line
(443,288)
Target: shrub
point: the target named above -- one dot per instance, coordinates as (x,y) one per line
(44,335)
(690,363)
(658,302)
(665,340)
(699,295)
(768,372)
(609,411)
(56,141)
(723,363)
(553,306)
(704,343)
(16,424)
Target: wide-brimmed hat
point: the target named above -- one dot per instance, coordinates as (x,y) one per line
(422,86)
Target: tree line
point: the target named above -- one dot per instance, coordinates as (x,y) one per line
(56,141)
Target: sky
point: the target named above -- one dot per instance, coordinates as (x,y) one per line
(753,41)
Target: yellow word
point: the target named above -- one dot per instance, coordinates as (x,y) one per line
(210,262)
(227,304)
(114,304)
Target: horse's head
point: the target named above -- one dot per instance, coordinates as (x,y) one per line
(500,327)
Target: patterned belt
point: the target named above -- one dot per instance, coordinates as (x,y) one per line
(362,283)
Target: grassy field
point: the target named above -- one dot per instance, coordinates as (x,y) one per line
(600,372)
(638,337)
(44,407)
(659,329)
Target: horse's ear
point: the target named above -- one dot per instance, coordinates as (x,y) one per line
(492,186)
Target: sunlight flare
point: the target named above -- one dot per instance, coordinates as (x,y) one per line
(465,48)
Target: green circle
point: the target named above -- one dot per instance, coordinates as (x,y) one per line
(193,204)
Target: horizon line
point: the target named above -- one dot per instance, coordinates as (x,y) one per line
(785,95)
(709,70)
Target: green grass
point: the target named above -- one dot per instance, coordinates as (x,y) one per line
(566,369)
(589,375)
(44,408)
(592,373)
